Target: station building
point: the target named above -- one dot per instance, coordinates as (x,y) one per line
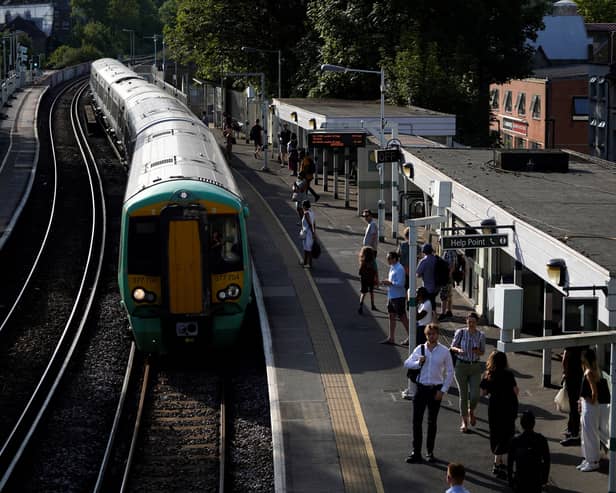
(554,219)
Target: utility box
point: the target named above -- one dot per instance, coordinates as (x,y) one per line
(508,306)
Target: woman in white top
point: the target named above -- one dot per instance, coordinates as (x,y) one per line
(308,233)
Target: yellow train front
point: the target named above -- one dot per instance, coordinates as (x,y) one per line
(185,272)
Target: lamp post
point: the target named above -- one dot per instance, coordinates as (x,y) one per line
(263,105)
(155,38)
(250,49)
(381,205)
(131,42)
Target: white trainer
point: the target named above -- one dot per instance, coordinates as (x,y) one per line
(581,464)
(590,466)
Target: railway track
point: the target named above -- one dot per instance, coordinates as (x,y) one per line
(23,429)
(179,433)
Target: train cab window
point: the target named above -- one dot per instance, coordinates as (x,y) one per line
(143,248)
(225,245)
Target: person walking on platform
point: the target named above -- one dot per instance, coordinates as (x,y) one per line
(455,478)
(308,233)
(469,344)
(447,290)
(257,137)
(371,235)
(307,166)
(284,137)
(435,377)
(424,314)
(591,399)
(403,251)
(293,153)
(572,380)
(367,277)
(396,298)
(426,270)
(499,383)
(299,195)
(528,462)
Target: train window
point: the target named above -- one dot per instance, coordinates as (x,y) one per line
(143,249)
(225,246)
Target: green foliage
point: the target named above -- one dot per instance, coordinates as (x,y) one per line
(66,56)
(167,13)
(597,10)
(97,35)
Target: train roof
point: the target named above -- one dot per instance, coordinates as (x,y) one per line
(113,71)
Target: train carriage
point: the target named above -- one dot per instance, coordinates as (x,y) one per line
(184,273)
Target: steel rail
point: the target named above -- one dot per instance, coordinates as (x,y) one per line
(19,438)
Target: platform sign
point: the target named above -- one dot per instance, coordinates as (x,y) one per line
(386,155)
(580,314)
(336,139)
(474,241)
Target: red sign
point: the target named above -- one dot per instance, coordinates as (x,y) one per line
(515,126)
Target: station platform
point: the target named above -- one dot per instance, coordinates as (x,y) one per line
(346,427)
(19,148)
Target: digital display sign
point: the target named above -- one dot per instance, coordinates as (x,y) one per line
(337,139)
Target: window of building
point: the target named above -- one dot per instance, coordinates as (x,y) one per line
(580,108)
(494,98)
(507,141)
(520,103)
(507,102)
(535,106)
(534,145)
(520,143)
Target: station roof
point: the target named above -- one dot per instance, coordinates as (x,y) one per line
(577,208)
(345,113)
(347,108)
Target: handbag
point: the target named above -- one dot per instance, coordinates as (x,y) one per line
(413,373)
(604,391)
(316,249)
(302,234)
(562,400)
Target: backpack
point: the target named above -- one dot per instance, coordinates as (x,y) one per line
(527,459)
(441,272)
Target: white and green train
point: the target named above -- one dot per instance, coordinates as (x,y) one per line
(185,268)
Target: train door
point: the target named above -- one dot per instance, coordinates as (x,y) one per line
(186,285)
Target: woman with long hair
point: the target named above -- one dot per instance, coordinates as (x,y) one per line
(469,344)
(499,383)
(590,412)
(367,276)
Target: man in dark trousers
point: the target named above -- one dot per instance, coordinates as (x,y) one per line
(528,463)
(572,380)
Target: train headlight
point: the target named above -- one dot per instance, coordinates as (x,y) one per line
(231,292)
(139,294)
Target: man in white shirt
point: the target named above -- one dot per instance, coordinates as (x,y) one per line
(433,381)
(371,235)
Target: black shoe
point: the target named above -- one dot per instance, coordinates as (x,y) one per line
(316,198)
(430,457)
(374,308)
(571,441)
(500,471)
(449,314)
(414,458)
(442,317)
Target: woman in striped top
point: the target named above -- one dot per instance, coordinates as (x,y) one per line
(469,344)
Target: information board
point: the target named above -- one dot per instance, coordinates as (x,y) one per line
(580,314)
(336,139)
(474,241)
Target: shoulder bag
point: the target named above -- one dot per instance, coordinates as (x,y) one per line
(413,373)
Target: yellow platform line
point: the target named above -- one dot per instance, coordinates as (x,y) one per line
(343,423)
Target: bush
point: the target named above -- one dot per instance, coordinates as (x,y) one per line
(65,56)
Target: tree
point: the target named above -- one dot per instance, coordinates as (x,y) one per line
(597,10)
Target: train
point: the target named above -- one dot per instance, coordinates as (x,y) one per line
(184,269)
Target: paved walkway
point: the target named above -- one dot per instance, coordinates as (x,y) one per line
(376,370)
